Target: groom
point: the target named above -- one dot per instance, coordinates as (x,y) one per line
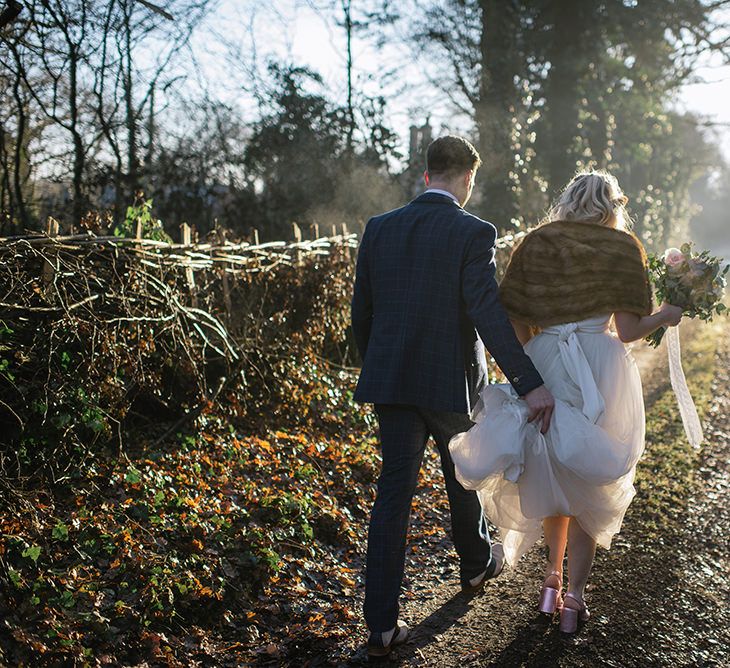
(425,286)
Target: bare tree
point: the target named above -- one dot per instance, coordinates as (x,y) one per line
(77,63)
(129,101)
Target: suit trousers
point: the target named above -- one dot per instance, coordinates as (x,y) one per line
(404,431)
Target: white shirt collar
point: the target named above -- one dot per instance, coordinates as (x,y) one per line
(442,192)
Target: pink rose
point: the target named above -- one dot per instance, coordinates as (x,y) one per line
(673,257)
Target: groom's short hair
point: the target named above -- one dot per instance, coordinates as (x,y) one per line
(450,156)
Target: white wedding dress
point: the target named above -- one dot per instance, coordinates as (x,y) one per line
(584,465)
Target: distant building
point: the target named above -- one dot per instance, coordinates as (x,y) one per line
(412,177)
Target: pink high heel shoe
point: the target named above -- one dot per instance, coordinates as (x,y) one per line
(569,616)
(551,598)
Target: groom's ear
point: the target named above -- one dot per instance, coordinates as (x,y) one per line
(426,179)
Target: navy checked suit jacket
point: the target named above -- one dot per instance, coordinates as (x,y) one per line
(424,286)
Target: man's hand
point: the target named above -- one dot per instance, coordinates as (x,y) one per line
(540,404)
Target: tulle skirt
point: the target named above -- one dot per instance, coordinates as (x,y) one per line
(584,465)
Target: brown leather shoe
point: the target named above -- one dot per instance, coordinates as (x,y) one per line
(376,646)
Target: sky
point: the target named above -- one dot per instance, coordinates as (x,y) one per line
(294,30)
(710,96)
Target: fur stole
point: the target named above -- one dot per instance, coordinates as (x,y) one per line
(566,271)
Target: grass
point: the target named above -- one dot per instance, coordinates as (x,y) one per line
(665,475)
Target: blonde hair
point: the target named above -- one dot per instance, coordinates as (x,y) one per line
(592,197)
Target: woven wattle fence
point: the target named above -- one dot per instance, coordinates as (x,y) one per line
(102,334)
(99,334)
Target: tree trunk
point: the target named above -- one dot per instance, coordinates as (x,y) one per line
(568,59)
(131,119)
(495,113)
(6,200)
(79,156)
(600,137)
(22,213)
(346,7)
(106,122)
(151,133)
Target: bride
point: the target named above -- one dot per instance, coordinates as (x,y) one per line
(564,283)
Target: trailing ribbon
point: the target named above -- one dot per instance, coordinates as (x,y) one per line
(687,409)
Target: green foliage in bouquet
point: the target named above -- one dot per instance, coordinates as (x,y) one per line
(694,281)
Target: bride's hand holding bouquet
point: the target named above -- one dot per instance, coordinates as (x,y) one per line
(693,281)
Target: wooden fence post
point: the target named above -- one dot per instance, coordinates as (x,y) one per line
(52,227)
(221,236)
(315,229)
(298,239)
(345,234)
(189,274)
(48,272)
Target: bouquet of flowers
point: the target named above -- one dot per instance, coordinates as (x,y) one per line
(694,281)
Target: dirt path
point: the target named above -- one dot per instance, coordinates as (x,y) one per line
(659,597)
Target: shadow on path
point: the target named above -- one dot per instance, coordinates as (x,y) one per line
(537,643)
(438,622)
(423,633)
